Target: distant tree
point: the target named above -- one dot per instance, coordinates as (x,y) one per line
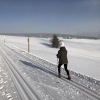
(55,41)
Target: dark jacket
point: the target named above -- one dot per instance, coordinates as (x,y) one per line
(62,55)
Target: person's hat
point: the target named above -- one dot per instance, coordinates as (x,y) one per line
(62,44)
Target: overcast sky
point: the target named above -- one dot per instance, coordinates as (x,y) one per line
(50,16)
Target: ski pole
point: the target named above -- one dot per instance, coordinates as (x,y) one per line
(57,64)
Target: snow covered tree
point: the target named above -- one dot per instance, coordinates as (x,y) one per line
(55,41)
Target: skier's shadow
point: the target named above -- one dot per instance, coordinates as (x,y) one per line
(37,67)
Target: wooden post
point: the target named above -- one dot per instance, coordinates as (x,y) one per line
(28,44)
(4,39)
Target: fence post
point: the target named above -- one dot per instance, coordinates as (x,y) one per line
(28,44)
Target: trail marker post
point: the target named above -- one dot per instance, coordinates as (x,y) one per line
(4,39)
(28,44)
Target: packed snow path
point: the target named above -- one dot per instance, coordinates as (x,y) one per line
(32,78)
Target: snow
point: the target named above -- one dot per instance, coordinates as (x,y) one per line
(40,73)
(83,54)
(7,87)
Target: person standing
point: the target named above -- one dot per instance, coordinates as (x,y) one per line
(62,56)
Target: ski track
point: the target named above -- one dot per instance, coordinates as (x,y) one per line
(24,88)
(70,89)
(7,87)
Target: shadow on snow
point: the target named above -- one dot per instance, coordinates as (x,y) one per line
(38,67)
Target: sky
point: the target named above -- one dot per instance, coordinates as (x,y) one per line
(50,16)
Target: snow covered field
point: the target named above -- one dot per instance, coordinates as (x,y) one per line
(25,76)
(83,54)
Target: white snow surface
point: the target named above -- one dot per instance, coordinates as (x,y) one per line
(83,57)
(83,54)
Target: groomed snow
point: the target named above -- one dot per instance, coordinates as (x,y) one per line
(83,54)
